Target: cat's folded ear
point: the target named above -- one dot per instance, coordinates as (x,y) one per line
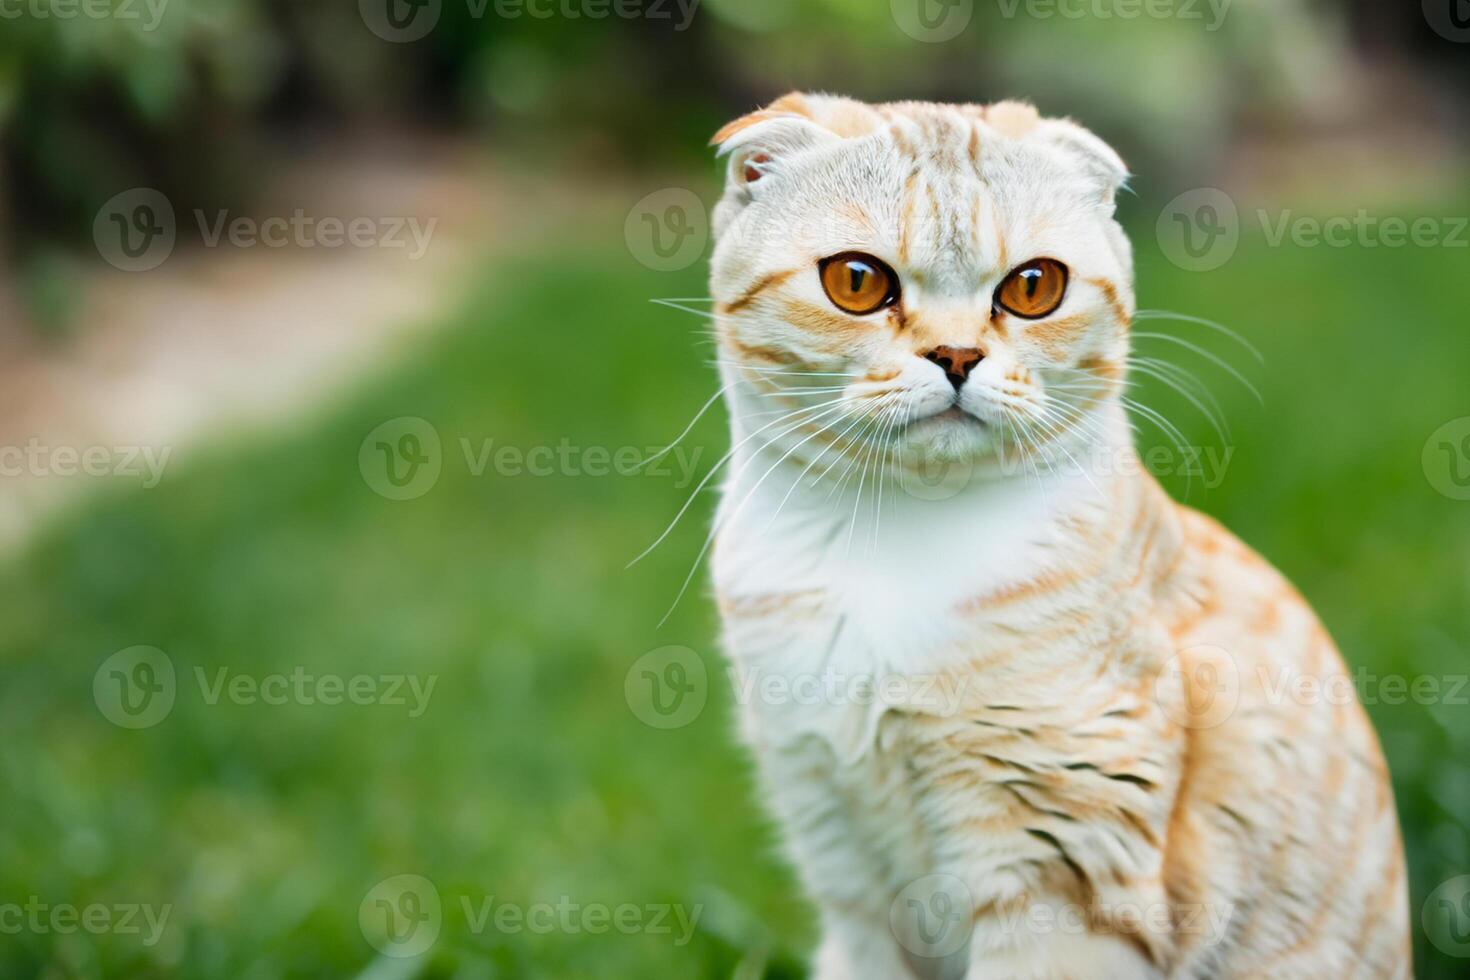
(763,144)
(758,145)
(1098,163)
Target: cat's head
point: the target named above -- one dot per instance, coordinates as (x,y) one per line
(950,272)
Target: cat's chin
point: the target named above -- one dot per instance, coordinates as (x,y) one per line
(952,435)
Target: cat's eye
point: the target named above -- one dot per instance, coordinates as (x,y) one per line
(1034,290)
(858,283)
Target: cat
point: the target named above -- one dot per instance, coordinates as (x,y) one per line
(1018,713)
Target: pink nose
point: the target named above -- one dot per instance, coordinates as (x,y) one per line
(957,362)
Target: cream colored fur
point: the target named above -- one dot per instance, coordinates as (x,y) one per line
(1038,624)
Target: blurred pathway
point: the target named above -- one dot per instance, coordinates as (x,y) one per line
(233,337)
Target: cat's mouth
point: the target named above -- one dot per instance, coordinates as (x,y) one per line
(953,418)
(956,414)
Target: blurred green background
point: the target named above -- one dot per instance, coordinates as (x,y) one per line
(271,546)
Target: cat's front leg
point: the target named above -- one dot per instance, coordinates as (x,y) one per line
(994,956)
(859,950)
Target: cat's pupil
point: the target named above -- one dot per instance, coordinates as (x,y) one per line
(1032,279)
(858,275)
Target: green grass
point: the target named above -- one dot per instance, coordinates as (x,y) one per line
(528,778)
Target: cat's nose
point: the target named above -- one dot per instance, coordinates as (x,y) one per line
(957,362)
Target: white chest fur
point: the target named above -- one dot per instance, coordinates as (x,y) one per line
(838,610)
(832,600)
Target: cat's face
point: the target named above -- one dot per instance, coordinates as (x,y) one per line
(952,274)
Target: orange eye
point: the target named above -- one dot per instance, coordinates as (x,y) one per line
(1034,290)
(858,283)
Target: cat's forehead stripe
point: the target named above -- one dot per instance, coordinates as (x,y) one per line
(941,217)
(900,141)
(946,224)
(944,140)
(905,226)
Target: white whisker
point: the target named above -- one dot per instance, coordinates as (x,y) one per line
(687,429)
(1201,321)
(716,468)
(720,521)
(1208,355)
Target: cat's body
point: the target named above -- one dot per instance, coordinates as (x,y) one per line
(1036,721)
